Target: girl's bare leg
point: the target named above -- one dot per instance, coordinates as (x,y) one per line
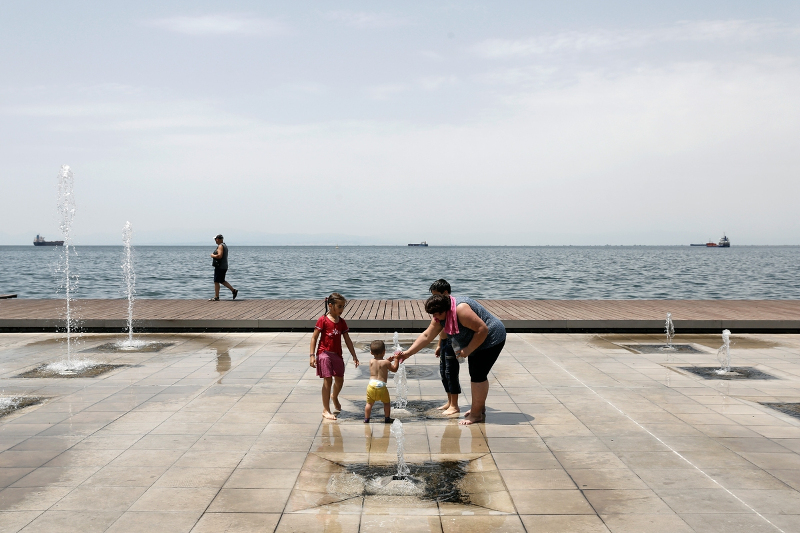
(338,383)
(326,399)
(446,404)
(367,411)
(453,402)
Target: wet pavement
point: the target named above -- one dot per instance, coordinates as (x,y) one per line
(222,432)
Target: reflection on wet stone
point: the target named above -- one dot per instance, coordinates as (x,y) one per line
(223,361)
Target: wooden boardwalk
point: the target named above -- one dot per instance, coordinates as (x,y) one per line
(406,315)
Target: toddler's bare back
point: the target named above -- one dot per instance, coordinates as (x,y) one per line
(379,369)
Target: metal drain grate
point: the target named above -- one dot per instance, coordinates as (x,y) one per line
(791,409)
(736,373)
(90,372)
(113,347)
(661,348)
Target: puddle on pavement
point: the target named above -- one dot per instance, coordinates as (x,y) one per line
(468,484)
(414,411)
(429,481)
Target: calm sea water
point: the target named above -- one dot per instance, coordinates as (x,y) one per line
(638,272)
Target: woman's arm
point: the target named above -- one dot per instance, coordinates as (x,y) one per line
(423,340)
(313,362)
(468,318)
(350,347)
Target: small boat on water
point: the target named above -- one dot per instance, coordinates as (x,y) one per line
(39,241)
(724,242)
(423,243)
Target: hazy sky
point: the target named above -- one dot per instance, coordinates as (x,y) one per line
(393,122)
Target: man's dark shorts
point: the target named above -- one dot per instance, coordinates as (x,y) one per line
(219,275)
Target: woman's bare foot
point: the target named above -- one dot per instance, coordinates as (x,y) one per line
(328,415)
(470,410)
(443,407)
(466,421)
(452,411)
(337,407)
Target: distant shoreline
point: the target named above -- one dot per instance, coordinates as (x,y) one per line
(413,247)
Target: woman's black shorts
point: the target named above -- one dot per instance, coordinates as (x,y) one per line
(481,362)
(219,274)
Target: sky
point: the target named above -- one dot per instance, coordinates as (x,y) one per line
(458,123)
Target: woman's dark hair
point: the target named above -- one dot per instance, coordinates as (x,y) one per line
(438,303)
(440,285)
(334,297)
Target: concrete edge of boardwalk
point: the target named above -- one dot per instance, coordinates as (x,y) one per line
(520,316)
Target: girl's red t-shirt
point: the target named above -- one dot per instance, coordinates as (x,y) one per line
(330,338)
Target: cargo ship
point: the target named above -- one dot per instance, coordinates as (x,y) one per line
(423,243)
(39,241)
(724,242)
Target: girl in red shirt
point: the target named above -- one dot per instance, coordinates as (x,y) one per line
(327,357)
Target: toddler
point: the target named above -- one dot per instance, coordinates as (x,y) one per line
(378,376)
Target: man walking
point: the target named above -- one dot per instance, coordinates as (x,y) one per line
(220,262)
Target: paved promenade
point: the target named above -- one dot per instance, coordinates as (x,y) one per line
(222,432)
(407,315)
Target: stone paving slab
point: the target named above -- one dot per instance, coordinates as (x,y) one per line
(223,432)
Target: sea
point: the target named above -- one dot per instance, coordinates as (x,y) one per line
(398,272)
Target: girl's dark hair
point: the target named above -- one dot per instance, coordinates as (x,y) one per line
(438,303)
(440,285)
(334,297)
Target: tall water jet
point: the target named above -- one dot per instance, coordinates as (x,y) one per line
(400,377)
(397,432)
(66,211)
(669,329)
(396,342)
(724,353)
(129,275)
(401,387)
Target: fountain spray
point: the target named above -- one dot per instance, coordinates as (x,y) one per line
(400,378)
(66,210)
(130,277)
(669,329)
(724,353)
(397,432)
(401,387)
